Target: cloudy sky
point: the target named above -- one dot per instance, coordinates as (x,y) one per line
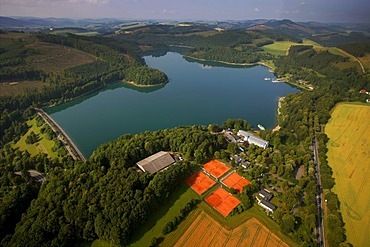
(297,10)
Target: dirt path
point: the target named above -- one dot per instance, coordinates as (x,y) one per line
(354,58)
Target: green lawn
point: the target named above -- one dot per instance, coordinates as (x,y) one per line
(42,146)
(281,48)
(171,208)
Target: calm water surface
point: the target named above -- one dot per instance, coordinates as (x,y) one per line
(197,94)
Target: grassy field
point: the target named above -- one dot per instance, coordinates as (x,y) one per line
(279,48)
(205,231)
(349,157)
(153,227)
(42,146)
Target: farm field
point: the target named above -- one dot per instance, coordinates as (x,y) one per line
(205,231)
(349,157)
(281,48)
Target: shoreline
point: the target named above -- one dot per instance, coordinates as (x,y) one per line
(73,149)
(229,63)
(142,85)
(278,127)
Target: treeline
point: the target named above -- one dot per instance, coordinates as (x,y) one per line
(193,142)
(157,37)
(171,225)
(248,54)
(106,197)
(356,49)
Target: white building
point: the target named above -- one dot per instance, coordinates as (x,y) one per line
(252,139)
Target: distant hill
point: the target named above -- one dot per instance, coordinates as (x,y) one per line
(11,22)
(24,22)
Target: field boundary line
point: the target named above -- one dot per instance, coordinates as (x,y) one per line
(256,235)
(188,236)
(267,239)
(209,225)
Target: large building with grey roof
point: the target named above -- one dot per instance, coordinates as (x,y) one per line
(156,162)
(252,139)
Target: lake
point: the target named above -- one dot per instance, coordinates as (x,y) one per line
(197,94)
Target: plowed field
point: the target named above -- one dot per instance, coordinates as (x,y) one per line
(205,231)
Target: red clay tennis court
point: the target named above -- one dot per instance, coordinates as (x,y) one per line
(216,168)
(235,181)
(199,182)
(222,201)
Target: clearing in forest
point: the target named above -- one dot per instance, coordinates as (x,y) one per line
(199,182)
(205,231)
(222,201)
(216,168)
(349,157)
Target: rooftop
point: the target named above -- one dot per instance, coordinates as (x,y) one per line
(156,162)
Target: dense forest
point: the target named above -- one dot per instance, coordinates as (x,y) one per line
(106,197)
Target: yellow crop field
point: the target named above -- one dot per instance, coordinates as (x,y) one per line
(205,231)
(349,157)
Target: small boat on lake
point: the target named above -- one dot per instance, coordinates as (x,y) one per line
(261,127)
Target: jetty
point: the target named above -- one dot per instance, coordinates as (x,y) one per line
(71,146)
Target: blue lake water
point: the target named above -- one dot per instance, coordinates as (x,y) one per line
(197,94)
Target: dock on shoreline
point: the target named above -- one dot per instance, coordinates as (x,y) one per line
(71,147)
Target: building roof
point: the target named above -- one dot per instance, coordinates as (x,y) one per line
(265,194)
(156,162)
(268,205)
(252,139)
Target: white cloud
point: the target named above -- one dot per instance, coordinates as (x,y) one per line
(257,10)
(302,3)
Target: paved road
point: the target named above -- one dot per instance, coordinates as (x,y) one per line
(320,214)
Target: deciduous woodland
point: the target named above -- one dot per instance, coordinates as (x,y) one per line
(106,197)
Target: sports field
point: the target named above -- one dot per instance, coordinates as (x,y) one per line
(349,157)
(199,182)
(222,201)
(215,168)
(235,181)
(205,231)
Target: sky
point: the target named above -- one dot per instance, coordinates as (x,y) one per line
(296,10)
